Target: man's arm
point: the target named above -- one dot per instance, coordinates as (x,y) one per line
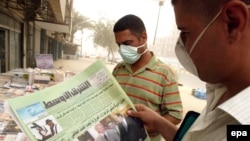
(172,119)
(171,107)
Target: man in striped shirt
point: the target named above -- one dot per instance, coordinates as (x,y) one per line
(144,78)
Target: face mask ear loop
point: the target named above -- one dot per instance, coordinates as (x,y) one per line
(203,31)
(144,51)
(141,47)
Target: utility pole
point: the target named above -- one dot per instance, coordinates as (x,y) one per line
(81,42)
(161,2)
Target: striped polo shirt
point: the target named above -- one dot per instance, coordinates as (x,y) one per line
(153,85)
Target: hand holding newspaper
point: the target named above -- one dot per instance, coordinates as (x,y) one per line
(81,108)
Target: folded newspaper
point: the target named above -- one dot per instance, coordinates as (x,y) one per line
(86,107)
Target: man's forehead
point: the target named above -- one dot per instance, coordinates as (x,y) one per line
(124,36)
(182,17)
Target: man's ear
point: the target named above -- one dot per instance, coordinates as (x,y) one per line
(236,14)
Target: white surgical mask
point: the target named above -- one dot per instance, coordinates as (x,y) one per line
(129,53)
(181,52)
(184,57)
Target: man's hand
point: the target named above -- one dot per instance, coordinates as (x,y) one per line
(154,121)
(148,116)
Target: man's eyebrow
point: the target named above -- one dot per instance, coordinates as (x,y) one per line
(126,42)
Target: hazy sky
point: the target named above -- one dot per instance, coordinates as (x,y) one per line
(147,10)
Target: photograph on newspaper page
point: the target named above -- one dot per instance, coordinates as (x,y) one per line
(89,106)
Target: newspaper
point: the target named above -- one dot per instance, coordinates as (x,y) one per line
(71,110)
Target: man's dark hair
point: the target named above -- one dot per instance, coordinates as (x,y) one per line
(132,23)
(48,120)
(206,9)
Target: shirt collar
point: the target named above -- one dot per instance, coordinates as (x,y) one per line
(238,106)
(214,93)
(150,65)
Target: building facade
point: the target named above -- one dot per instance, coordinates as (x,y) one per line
(30,27)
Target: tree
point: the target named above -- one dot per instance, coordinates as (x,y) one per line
(104,36)
(80,22)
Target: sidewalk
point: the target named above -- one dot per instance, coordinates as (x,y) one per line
(189,101)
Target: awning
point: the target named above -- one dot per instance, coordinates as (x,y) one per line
(53,27)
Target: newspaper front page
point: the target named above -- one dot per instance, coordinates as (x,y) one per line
(84,108)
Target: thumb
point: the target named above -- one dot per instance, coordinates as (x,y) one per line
(133,113)
(137,114)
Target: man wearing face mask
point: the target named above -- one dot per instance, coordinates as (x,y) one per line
(213,45)
(144,78)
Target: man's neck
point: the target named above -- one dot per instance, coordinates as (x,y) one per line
(145,58)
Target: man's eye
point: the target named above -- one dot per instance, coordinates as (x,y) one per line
(184,34)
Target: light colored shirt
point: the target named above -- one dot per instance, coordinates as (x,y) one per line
(212,122)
